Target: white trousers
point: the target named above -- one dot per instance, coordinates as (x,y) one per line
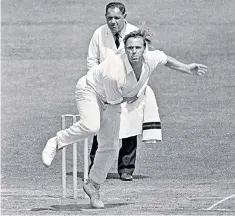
(95,118)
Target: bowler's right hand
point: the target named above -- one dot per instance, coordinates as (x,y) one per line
(130,99)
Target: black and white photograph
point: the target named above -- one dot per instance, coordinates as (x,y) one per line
(117,107)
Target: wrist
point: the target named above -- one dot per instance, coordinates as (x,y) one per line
(187,69)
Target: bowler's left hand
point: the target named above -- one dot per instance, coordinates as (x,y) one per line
(197,69)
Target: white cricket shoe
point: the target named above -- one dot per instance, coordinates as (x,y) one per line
(93,191)
(49,152)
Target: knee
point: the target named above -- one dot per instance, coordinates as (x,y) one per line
(112,151)
(91,128)
(108,147)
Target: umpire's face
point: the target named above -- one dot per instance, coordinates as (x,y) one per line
(115,20)
(135,49)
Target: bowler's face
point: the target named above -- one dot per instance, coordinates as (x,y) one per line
(115,20)
(135,49)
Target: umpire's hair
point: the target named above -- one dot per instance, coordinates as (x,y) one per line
(116,5)
(138,34)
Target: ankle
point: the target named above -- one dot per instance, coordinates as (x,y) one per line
(95,184)
(60,146)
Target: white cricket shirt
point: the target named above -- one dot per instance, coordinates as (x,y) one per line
(114,78)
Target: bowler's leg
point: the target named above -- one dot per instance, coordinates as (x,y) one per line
(108,138)
(89,109)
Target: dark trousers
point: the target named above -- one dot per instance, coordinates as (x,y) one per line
(126,157)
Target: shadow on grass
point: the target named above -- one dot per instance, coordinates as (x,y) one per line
(110,175)
(78,207)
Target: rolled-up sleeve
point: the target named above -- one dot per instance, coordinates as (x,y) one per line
(161,57)
(156,58)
